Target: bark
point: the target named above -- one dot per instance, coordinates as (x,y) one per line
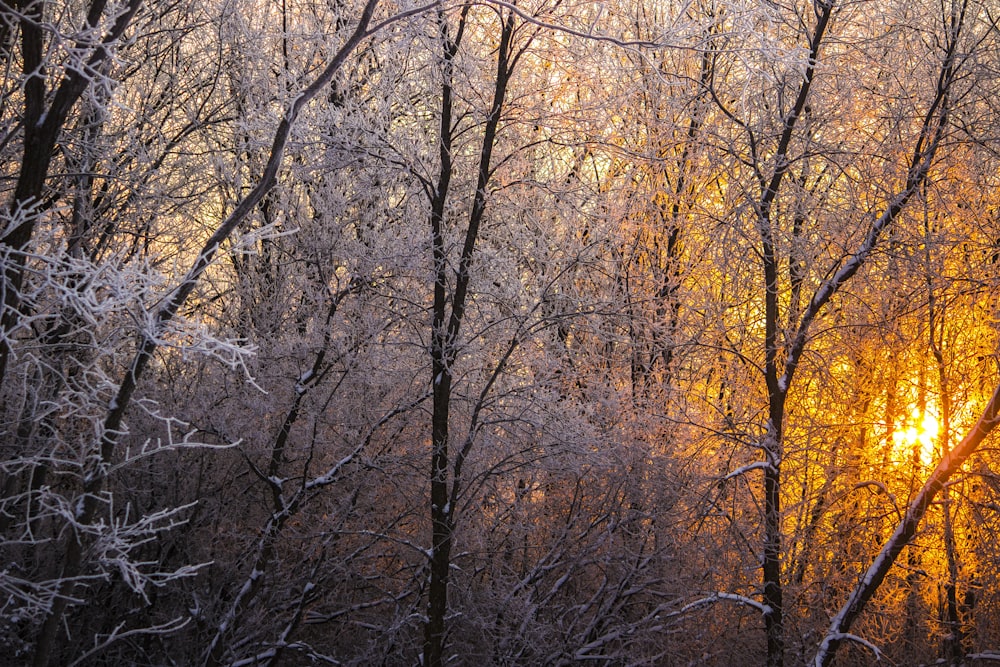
(437,596)
(777,387)
(446,325)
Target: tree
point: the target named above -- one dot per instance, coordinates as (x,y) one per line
(667,297)
(792,184)
(83,512)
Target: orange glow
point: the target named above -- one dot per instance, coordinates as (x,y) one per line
(918,433)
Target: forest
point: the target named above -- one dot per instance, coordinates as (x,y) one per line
(499,332)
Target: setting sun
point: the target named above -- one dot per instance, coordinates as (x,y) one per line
(920,430)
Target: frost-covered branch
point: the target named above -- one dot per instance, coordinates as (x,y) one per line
(151,339)
(742,470)
(729,597)
(118,634)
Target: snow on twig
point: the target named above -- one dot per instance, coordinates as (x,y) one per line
(847,636)
(731,597)
(116,635)
(757,465)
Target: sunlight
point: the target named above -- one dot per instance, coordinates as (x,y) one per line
(919,432)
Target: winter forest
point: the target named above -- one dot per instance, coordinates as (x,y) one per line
(499,332)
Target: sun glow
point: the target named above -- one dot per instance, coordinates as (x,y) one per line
(918,436)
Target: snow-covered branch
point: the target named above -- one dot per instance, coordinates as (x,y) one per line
(757,465)
(905,530)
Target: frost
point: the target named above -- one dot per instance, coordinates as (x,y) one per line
(757,465)
(821,655)
(731,597)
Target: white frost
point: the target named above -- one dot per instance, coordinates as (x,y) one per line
(758,465)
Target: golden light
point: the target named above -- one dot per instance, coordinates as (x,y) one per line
(919,434)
